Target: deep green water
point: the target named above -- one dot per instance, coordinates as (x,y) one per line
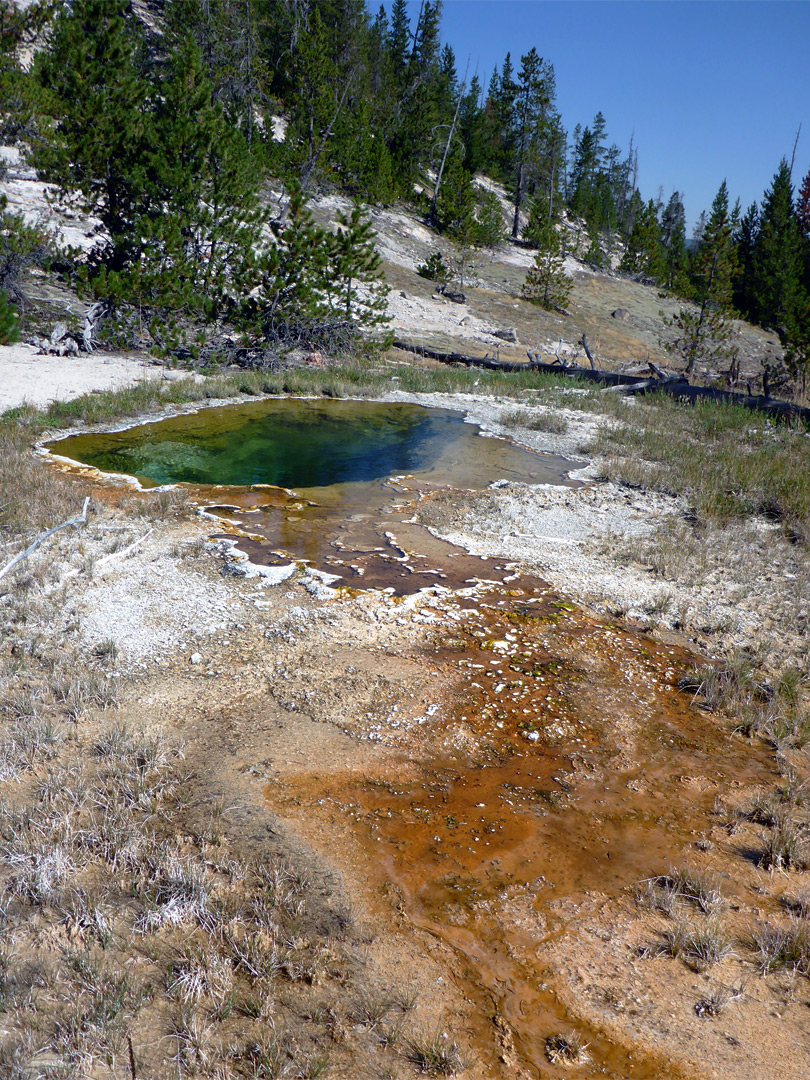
(309,444)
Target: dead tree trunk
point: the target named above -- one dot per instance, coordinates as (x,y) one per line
(584,344)
(447,145)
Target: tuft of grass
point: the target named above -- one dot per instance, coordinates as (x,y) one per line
(28,743)
(199,972)
(106,651)
(371,1008)
(567,1048)
(699,945)
(777,947)
(547,421)
(434,1053)
(785,846)
(798,905)
(717,1001)
(668,892)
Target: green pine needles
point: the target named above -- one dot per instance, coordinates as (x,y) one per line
(546,283)
(8,321)
(186,238)
(312,286)
(702,334)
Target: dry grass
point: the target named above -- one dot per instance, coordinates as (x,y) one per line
(700,945)
(97,855)
(727,461)
(568,1048)
(717,1001)
(434,1053)
(547,420)
(782,947)
(681,889)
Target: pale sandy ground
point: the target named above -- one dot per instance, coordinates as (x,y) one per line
(28,376)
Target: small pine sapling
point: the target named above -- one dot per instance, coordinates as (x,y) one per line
(546,283)
(355,261)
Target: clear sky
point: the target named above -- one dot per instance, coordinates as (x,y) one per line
(709,90)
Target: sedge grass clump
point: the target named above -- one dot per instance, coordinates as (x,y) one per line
(697,888)
(198,972)
(29,742)
(717,1000)
(372,1007)
(669,893)
(698,944)
(782,947)
(567,1048)
(434,1053)
(547,421)
(799,904)
(785,846)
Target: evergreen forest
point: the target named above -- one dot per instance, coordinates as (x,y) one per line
(174,124)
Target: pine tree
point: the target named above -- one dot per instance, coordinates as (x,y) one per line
(101,141)
(9,321)
(743,282)
(803,207)
(702,334)
(21,245)
(354,262)
(288,300)
(19,26)
(532,103)
(498,113)
(673,242)
(304,285)
(490,230)
(399,39)
(643,253)
(777,258)
(472,127)
(229,35)
(207,185)
(583,172)
(455,203)
(320,96)
(546,283)
(157,160)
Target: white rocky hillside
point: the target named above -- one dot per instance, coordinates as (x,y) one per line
(622,319)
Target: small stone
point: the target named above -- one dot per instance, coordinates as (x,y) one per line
(195,658)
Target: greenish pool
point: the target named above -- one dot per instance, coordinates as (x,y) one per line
(310,445)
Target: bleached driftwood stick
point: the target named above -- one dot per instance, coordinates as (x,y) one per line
(80,519)
(124,551)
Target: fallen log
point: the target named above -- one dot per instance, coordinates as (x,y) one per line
(782,410)
(676,385)
(460,358)
(643,386)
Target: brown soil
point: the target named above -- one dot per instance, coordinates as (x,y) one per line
(487,776)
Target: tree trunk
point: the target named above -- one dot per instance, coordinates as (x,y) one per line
(432,213)
(309,168)
(518,197)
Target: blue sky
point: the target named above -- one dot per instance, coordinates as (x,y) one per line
(709,90)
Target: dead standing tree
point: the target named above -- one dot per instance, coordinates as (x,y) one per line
(448,143)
